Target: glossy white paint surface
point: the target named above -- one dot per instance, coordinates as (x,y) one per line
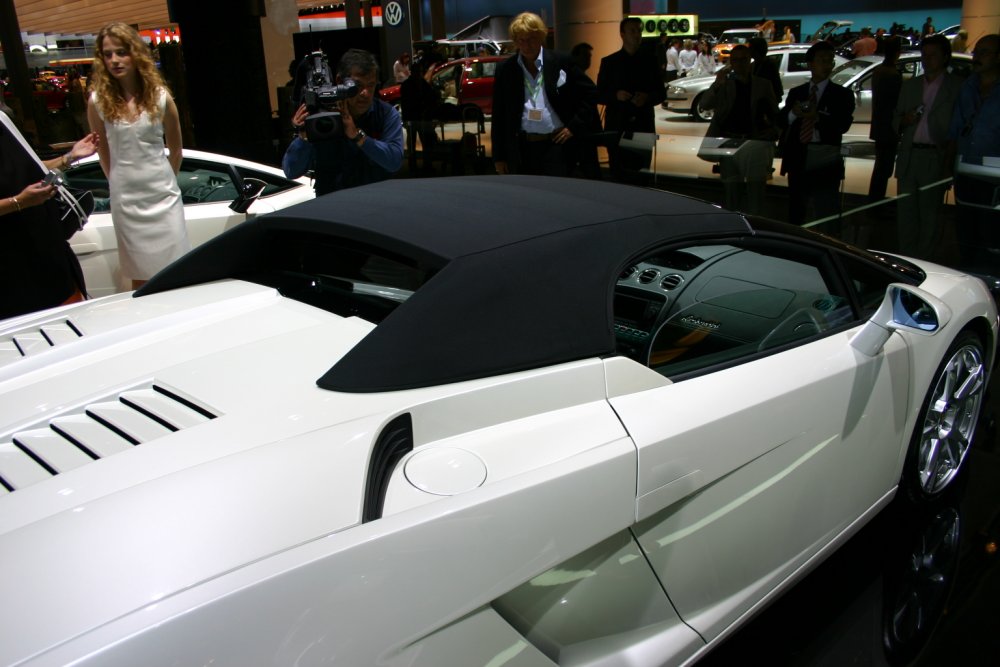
(238,540)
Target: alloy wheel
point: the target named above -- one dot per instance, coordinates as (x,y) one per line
(950,419)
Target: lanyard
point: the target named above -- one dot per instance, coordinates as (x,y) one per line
(533,86)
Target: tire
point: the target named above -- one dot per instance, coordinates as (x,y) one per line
(947,421)
(703,115)
(918,583)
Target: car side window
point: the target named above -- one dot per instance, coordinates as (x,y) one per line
(489,69)
(685,310)
(797,62)
(199,182)
(775,59)
(91,177)
(869,282)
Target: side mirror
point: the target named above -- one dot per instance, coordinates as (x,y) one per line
(249,190)
(904,308)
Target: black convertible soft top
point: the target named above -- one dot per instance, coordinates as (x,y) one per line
(524,268)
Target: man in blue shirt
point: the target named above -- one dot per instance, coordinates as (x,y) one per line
(975,128)
(369,149)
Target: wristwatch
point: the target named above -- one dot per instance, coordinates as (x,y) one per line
(359,137)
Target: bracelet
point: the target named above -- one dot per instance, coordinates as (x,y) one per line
(16,203)
(67,163)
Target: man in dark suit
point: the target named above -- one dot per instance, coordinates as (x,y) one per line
(816,115)
(630,88)
(543,104)
(745,108)
(922,117)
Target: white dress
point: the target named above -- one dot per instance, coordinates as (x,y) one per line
(146,206)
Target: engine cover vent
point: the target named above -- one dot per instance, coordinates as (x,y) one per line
(95,431)
(28,342)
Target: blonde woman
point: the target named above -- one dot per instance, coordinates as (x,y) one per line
(688,58)
(136,117)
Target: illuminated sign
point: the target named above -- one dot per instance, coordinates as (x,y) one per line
(672,24)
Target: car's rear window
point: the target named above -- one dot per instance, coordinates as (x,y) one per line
(341,277)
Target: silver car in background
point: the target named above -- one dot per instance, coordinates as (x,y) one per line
(856,75)
(684,95)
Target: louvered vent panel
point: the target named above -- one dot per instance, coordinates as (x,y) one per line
(165,409)
(671,281)
(95,432)
(54,452)
(127,422)
(59,333)
(648,276)
(17,469)
(26,343)
(93,435)
(31,343)
(9,353)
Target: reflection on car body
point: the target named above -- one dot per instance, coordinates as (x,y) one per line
(54,96)
(207,188)
(595,423)
(684,95)
(857,75)
(463,85)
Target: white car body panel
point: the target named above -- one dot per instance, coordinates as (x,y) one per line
(787,440)
(585,512)
(253,323)
(96,246)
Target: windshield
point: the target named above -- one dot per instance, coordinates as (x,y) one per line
(841,75)
(736,37)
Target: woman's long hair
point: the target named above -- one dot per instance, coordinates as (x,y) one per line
(110,96)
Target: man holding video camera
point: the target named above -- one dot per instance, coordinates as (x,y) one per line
(346,135)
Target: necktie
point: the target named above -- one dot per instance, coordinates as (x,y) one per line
(809,124)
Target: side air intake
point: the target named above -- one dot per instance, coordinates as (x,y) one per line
(394,442)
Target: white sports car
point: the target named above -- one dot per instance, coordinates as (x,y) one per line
(590,425)
(209,183)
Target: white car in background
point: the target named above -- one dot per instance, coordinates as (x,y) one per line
(684,95)
(857,74)
(592,424)
(208,184)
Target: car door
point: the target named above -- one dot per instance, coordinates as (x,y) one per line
(775,435)
(446,81)
(863,98)
(477,85)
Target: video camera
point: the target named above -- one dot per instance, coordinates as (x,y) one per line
(320,95)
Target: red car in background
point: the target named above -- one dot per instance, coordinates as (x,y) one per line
(466,83)
(55,97)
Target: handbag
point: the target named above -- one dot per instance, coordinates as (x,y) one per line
(72,206)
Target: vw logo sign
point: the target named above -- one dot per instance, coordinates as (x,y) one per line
(393,13)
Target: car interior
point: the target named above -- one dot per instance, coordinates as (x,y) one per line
(682,310)
(200,182)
